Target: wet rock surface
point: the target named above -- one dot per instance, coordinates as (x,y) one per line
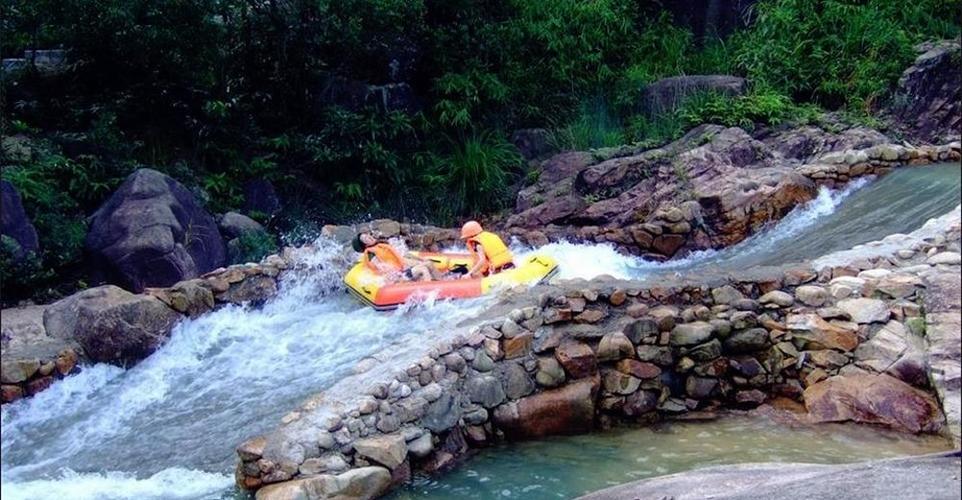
(110,324)
(893,478)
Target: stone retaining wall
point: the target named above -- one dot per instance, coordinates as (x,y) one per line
(837,168)
(846,343)
(42,344)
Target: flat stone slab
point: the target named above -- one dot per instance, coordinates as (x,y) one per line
(917,478)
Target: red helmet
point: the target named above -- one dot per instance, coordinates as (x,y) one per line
(469,229)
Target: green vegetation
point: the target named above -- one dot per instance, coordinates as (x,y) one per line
(251,246)
(839,53)
(305,93)
(472,173)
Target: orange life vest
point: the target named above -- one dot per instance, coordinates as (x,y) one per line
(385,254)
(494,249)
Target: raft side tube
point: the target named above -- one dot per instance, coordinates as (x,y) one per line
(370,288)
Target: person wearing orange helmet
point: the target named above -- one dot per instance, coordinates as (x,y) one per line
(491,255)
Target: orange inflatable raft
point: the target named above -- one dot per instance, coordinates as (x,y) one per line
(374,290)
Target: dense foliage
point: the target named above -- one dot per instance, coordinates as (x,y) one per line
(401,108)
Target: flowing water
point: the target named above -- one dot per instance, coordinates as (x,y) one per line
(166,428)
(566,467)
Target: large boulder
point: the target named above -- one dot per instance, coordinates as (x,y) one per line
(711,18)
(152,232)
(566,410)
(111,324)
(927,106)
(667,94)
(14,223)
(808,142)
(873,399)
(233,226)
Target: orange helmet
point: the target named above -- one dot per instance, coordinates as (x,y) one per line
(469,229)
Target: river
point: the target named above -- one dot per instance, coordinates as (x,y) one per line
(166,428)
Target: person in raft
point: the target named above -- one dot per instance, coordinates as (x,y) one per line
(384,260)
(490,253)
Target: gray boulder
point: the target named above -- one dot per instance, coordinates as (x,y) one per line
(669,93)
(14,223)
(152,232)
(111,324)
(233,225)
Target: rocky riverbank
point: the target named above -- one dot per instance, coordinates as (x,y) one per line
(710,189)
(859,340)
(110,325)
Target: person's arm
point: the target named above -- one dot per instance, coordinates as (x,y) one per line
(475,271)
(375,264)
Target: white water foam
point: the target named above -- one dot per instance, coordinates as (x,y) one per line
(218,380)
(588,260)
(173,483)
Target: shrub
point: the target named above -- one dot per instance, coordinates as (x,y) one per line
(251,246)
(838,52)
(18,272)
(595,126)
(758,106)
(473,174)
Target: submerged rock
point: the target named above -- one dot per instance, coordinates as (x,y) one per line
(667,94)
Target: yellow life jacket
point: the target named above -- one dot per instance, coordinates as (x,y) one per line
(385,254)
(495,250)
